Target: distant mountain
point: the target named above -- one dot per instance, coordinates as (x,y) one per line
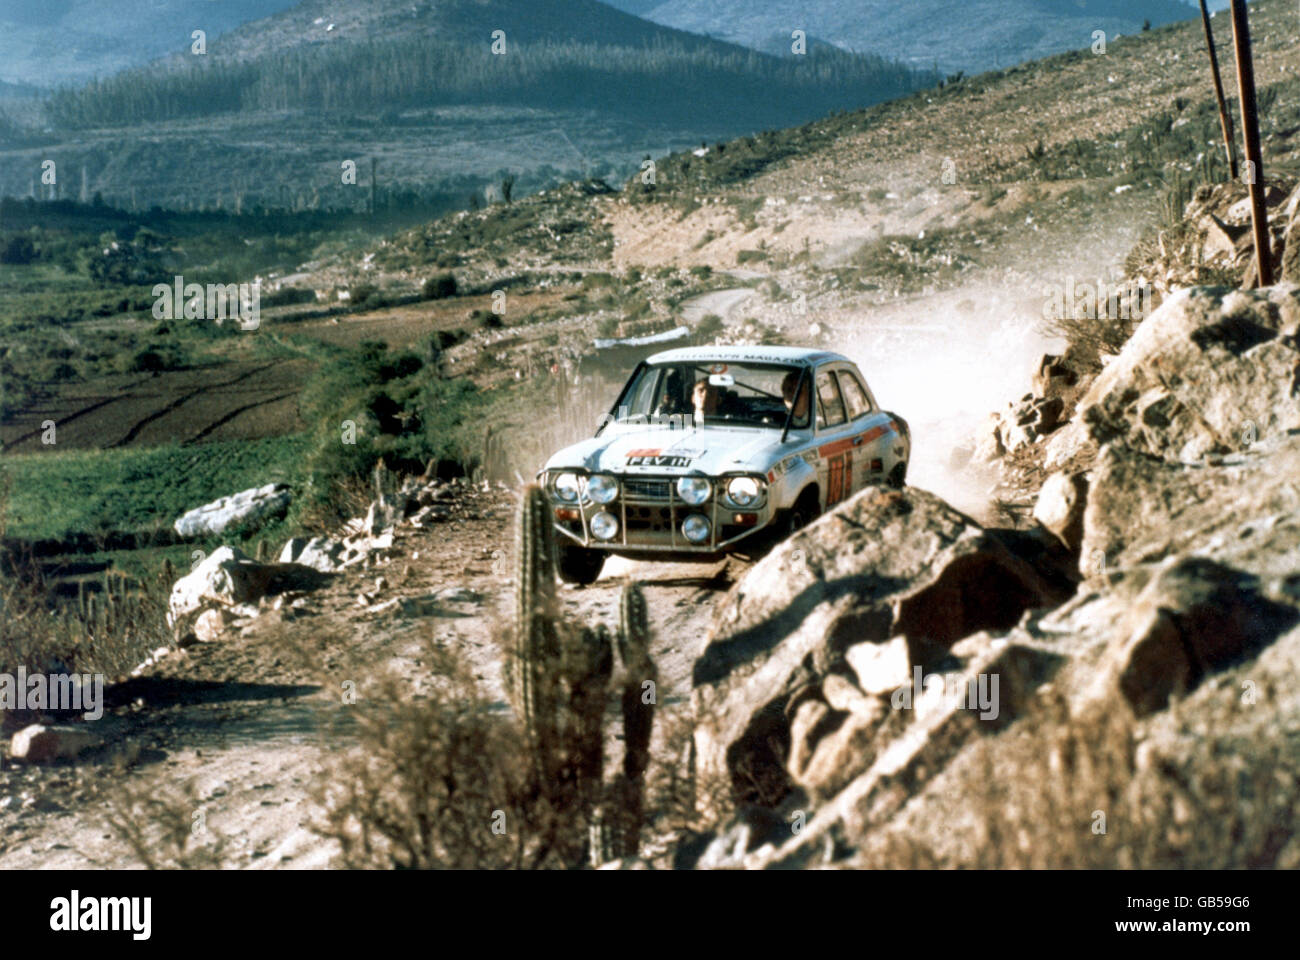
(392,55)
(974,35)
(46,42)
(572,87)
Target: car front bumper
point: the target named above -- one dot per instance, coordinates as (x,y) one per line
(650,514)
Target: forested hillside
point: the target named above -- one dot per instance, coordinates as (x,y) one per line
(664,78)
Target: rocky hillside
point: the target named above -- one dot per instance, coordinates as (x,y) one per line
(875,665)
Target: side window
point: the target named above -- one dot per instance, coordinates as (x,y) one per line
(832,406)
(642,398)
(855,398)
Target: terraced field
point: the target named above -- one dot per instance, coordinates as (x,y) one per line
(234,401)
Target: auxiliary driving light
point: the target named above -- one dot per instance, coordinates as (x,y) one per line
(604,526)
(695,528)
(694,490)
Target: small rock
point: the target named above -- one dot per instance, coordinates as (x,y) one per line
(210,626)
(41,744)
(1060,507)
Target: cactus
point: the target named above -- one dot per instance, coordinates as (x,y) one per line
(534,677)
(559,679)
(381,479)
(263,551)
(638,716)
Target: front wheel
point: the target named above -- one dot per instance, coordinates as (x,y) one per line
(577,564)
(805,511)
(898,476)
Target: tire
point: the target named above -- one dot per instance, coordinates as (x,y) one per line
(577,564)
(898,476)
(805,510)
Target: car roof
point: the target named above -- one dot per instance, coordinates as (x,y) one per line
(798,356)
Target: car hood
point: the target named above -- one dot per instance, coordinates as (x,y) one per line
(711,450)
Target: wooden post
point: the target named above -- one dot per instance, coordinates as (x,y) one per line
(1250,132)
(1225,118)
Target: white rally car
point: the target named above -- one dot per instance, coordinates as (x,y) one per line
(710,450)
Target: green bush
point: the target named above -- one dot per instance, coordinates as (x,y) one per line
(440,287)
(158,358)
(371,402)
(18,250)
(362,293)
(710,325)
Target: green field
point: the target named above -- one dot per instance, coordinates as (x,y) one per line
(51,495)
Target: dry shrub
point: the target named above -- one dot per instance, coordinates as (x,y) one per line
(163,826)
(442,781)
(106,630)
(347,497)
(1089,340)
(1035,798)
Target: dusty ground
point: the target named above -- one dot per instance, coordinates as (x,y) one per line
(252,720)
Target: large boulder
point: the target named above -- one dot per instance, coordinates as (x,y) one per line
(886,564)
(1243,510)
(1207,373)
(860,772)
(1195,617)
(228,578)
(262,503)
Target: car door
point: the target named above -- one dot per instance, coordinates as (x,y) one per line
(873,430)
(835,454)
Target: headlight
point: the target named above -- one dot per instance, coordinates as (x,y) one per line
(694,490)
(743,491)
(567,487)
(695,528)
(604,526)
(602,488)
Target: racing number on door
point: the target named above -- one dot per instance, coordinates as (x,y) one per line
(839,480)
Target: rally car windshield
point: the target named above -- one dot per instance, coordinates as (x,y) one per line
(725,394)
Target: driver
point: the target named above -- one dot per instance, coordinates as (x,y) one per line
(797,405)
(705,397)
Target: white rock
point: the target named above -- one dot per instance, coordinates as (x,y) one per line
(226,578)
(257,504)
(210,625)
(880,667)
(41,744)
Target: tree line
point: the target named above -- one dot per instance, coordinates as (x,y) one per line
(661,80)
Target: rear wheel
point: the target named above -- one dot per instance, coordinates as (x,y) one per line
(577,564)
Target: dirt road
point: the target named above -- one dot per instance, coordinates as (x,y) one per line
(254,719)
